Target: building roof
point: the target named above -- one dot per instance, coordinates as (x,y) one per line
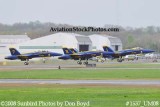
(114,40)
(55,39)
(14,37)
(83,39)
(111,38)
(103,35)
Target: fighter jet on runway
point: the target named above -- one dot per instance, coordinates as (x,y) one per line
(15,55)
(68,54)
(109,53)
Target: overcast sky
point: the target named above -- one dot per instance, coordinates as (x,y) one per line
(134,13)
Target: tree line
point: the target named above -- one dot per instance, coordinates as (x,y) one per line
(145,37)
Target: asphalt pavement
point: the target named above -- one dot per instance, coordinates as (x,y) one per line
(53,81)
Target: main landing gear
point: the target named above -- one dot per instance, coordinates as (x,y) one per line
(120,59)
(80,62)
(85,63)
(26,63)
(100,60)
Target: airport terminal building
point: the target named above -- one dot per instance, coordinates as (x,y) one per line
(55,42)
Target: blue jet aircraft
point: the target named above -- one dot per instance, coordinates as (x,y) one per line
(15,55)
(109,53)
(68,54)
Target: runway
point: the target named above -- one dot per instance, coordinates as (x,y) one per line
(40,66)
(74,65)
(52,81)
(45,67)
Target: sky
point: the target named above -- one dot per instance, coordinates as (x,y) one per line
(133,13)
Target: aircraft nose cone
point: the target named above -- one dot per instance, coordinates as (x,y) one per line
(151,51)
(56,54)
(148,51)
(6,57)
(64,57)
(59,57)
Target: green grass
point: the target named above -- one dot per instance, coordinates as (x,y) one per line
(129,65)
(82,74)
(98,96)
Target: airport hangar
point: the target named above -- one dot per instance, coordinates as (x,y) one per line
(55,42)
(8,40)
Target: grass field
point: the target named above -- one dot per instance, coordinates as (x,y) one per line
(98,96)
(98,74)
(129,65)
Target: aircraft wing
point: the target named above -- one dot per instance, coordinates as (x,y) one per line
(27,56)
(125,52)
(74,56)
(84,55)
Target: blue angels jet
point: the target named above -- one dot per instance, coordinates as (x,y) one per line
(109,53)
(73,54)
(15,55)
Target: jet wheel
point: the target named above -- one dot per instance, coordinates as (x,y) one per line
(102,61)
(79,62)
(85,63)
(26,63)
(119,60)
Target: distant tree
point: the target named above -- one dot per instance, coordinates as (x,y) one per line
(148,37)
(130,39)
